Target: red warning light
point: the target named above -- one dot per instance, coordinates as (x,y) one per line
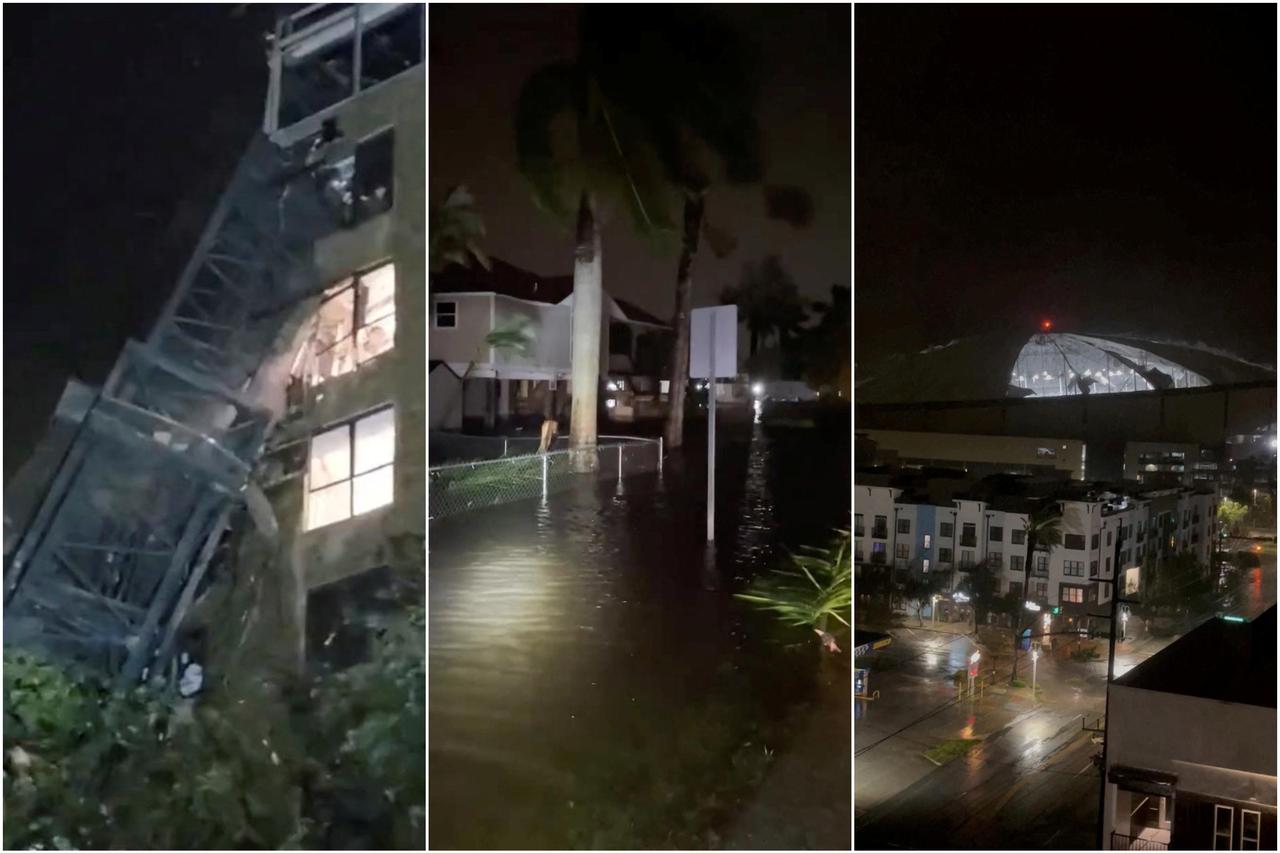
(1046,325)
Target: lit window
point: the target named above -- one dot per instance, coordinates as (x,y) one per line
(1072,595)
(447,316)
(927,540)
(356,323)
(352,469)
(1223,818)
(926,565)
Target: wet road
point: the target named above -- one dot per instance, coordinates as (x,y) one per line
(1030,785)
(587,660)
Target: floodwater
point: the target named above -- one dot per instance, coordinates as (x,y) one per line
(592,681)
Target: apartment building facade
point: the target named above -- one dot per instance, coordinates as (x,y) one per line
(894,526)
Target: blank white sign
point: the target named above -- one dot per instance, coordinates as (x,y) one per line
(725,318)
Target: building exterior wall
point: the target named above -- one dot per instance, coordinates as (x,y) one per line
(1003,452)
(462,343)
(298,560)
(870,502)
(1219,752)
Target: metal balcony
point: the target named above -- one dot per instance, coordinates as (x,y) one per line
(879,533)
(1133,842)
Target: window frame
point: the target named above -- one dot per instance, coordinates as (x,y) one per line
(353,283)
(352,475)
(1257,829)
(904,526)
(1231,823)
(435,313)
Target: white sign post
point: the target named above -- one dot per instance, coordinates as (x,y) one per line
(713,353)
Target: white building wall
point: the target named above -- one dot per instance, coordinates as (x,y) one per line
(869,502)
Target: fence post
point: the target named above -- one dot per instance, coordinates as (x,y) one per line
(659,453)
(504,447)
(619,462)
(544,476)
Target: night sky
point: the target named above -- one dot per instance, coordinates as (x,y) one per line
(480,55)
(123,125)
(1110,167)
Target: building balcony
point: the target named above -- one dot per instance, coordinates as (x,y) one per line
(968,541)
(859,531)
(1138,842)
(879,533)
(877,558)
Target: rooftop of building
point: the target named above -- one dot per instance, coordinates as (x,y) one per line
(1221,660)
(509,280)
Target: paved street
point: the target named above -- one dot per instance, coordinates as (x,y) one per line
(1030,783)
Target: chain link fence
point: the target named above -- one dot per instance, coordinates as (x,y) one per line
(521,472)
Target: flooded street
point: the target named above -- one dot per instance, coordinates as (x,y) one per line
(592,682)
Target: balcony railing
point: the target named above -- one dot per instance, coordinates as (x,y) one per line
(877,557)
(1133,842)
(879,533)
(859,531)
(968,540)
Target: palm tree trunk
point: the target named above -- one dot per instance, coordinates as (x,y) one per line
(693,211)
(585,357)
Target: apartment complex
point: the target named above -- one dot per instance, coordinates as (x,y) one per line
(950,524)
(345,465)
(1191,743)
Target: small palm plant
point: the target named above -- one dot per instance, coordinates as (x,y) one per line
(815,588)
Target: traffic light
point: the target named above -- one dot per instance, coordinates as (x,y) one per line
(1057,610)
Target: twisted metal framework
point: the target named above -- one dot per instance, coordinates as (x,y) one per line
(140,502)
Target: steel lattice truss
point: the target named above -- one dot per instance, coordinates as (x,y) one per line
(111,559)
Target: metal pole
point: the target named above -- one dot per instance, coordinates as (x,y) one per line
(619,462)
(1035,660)
(659,454)
(357,58)
(711,433)
(544,476)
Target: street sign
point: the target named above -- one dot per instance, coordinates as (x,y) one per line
(713,328)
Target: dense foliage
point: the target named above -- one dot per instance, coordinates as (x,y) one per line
(812,591)
(336,761)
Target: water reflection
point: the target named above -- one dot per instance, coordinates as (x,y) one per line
(576,645)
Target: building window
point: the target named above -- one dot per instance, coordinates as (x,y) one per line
(356,323)
(996,534)
(1093,568)
(1073,542)
(966,559)
(1041,564)
(1073,568)
(1040,589)
(927,540)
(857,554)
(995,559)
(1108,538)
(858,529)
(1016,562)
(880,530)
(969,534)
(352,469)
(877,552)
(1250,829)
(1017,537)
(944,555)
(446,315)
(1093,542)
(1108,567)
(372,185)
(1223,819)
(925,565)
(1072,595)
(1015,589)
(904,551)
(947,530)
(904,525)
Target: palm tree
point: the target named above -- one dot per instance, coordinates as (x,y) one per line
(603,155)
(456,228)
(768,301)
(1043,528)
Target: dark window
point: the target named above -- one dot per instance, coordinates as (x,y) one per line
(1042,564)
(995,559)
(966,559)
(1073,568)
(1093,542)
(372,187)
(969,535)
(1040,589)
(880,530)
(1017,537)
(904,525)
(904,551)
(1015,589)
(858,529)
(1016,562)
(446,315)
(944,555)
(877,552)
(1093,568)
(1073,542)
(947,529)
(997,534)
(619,339)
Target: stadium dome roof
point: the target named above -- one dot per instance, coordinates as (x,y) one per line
(1049,364)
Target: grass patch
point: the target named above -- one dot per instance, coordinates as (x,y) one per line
(950,750)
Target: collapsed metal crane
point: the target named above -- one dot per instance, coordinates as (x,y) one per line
(107,564)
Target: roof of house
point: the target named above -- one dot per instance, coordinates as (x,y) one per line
(504,278)
(1221,660)
(510,280)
